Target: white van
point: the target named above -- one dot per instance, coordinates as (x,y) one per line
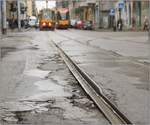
(32,21)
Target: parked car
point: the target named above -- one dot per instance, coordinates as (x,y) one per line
(88,25)
(79,24)
(32,21)
(72,23)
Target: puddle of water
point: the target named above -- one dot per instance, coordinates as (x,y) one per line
(37,73)
(47,91)
(52,89)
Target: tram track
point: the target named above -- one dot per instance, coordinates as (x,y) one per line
(109,110)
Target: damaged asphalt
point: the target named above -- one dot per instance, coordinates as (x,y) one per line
(36,86)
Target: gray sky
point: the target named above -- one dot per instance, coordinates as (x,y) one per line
(42,4)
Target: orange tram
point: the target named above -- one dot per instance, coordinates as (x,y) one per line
(47,19)
(62,17)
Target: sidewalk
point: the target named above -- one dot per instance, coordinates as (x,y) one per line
(124,30)
(16,30)
(9,31)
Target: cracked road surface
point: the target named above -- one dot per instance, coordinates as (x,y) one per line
(36,86)
(119,62)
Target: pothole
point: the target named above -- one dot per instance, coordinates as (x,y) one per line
(81,102)
(37,73)
(23,111)
(53,63)
(58,98)
(5,50)
(51,89)
(28,117)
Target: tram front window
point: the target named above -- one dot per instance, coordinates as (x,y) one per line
(48,15)
(63,16)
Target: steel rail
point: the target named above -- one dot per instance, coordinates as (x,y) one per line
(110,111)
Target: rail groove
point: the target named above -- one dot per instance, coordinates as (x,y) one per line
(110,111)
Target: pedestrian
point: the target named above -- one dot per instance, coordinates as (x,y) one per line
(133,23)
(12,24)
(120,24)
(114,25)
(7,22)
(146,24)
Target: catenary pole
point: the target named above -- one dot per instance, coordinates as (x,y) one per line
(99,15)
(0,17)
(4,21)
(149,20)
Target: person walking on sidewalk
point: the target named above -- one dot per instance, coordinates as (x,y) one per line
(120,24)
(114,25)
(133,23)
(146,24)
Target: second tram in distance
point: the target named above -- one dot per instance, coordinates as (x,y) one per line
(62,17)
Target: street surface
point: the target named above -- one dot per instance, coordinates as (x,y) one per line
(36,87)
(118,62)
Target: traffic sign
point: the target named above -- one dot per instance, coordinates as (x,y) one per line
(112,11)
(121,5)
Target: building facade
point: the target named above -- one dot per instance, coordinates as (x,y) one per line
(11,9)
(34,10)
(91,10)
(82,10)
(133,13)
(31,8)
(105,14)
(105,17)
(0,18)
(62,3)
(27,7)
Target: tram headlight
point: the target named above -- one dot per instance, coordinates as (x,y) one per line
(50,24)
(44,24)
